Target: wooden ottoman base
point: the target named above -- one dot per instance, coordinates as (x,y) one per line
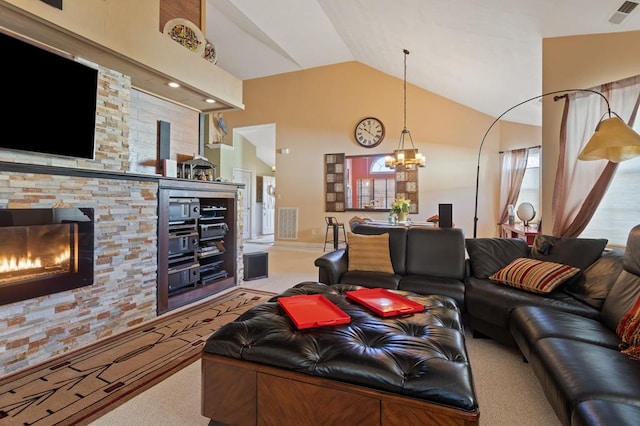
(237,392)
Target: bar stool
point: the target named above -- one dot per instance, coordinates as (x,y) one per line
(334,226)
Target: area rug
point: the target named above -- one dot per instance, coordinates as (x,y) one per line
(83,385)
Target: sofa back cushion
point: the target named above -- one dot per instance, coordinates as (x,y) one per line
(397,242)
(578,252)
(369,253)
(488,255)
(593,286)
(436,252)
(626,289)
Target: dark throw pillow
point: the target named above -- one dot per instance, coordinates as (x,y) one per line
(578,252)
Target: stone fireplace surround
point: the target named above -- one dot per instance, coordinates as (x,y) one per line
(123,191)
(123,293)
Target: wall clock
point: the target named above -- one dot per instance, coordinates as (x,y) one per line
(369,132)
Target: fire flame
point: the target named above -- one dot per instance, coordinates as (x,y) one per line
(13,263)
(9,264)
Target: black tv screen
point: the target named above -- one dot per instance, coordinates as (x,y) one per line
(53,107)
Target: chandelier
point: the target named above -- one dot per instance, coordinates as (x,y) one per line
(410,158)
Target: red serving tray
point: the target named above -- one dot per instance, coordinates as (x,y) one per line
(312,310)
(384,303)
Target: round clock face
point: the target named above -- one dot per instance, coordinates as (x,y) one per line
(369,132)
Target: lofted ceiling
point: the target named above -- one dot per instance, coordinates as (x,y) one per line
(484,54)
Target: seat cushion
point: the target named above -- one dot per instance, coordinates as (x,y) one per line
(599,412)
(528,324)
(433,285)
(571,371)
(492,302)
(371,279)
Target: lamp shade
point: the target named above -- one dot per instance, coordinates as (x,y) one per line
(613,140)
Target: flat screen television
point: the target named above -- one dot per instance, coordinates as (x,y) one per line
(53,106)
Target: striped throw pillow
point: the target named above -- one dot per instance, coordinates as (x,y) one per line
(369,253)
(536,276)
(629,331)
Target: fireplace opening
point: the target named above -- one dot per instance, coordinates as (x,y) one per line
(44,251)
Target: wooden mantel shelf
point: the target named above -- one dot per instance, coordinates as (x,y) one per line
(123,35)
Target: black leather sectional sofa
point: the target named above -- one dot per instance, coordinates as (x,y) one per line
(425,261)
(568,336)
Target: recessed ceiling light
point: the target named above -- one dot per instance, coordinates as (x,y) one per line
(210,101)
(173,84)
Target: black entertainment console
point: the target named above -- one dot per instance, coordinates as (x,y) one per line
(197,253)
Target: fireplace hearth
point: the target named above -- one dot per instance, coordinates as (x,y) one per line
(44,251)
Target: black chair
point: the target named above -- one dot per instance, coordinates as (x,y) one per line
(334,226)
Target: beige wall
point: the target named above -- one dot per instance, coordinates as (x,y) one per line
(316,111)
(574,63)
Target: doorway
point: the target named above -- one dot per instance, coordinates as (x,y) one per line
(269,205)
(246,177)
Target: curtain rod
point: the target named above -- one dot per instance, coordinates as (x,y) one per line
(529,147)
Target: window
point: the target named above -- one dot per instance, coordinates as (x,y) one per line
(530,188)
(371,184)
(375,193)
(619,208)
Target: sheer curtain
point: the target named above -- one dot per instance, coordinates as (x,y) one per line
(514,164)
(580,185)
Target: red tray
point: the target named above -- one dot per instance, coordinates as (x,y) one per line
(312,310)
(384,302)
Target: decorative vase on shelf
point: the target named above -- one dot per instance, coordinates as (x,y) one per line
(402,216)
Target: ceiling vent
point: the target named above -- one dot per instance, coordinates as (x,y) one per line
(623,12)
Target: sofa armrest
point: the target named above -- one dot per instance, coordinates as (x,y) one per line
(331,266)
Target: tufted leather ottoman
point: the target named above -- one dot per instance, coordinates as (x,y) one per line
(259,369)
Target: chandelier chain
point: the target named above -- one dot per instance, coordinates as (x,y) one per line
(404,124)
(408,158)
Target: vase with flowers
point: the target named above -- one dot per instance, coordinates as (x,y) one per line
(400,208)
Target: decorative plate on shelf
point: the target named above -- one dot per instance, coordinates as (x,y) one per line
(210,53)
(187,34)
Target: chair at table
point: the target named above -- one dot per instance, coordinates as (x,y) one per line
(334,226)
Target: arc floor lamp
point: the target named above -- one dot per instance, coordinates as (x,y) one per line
(612,140)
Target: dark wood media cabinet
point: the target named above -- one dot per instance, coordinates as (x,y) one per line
(197,241)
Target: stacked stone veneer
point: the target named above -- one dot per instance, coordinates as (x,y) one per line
(123,293)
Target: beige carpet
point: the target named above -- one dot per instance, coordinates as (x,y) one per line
(508,392)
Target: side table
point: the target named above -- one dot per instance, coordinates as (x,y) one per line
(527,233)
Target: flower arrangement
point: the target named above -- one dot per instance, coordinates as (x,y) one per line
(400,205)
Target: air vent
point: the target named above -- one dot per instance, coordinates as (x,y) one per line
(288,223)
(623,12)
